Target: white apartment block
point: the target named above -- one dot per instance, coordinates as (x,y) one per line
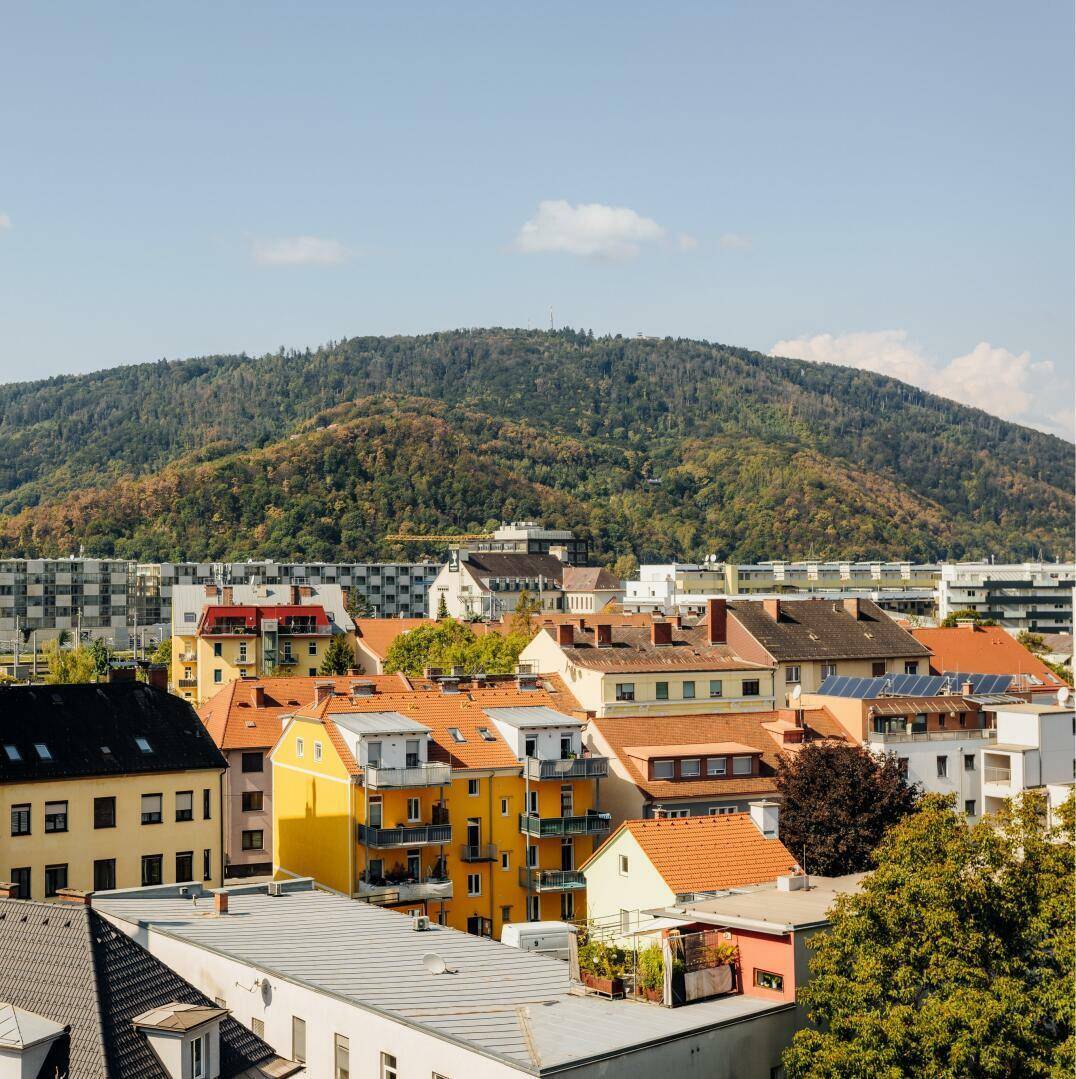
(1035,596)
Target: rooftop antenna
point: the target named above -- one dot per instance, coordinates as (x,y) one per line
(550,318)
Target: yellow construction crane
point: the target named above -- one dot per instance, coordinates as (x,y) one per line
(414,537)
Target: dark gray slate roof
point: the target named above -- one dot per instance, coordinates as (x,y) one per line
(91,730)
(69,964)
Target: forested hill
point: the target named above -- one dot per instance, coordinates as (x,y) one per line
(671,448)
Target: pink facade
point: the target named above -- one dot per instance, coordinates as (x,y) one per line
(241,825)
(765,954)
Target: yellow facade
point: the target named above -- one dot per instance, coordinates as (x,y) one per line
(126,843)
(320,814)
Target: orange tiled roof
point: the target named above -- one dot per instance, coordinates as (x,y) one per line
(698,854)
(982,650)
(761,730)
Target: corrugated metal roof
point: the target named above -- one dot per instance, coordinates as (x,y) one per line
(378,723)
(538,715)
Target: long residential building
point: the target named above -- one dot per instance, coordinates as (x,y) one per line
(1035,596)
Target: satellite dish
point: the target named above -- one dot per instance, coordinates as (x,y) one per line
(797,691)
(434,964)
(1063,696)
(267,991)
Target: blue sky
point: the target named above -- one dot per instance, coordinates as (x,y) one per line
(888,186)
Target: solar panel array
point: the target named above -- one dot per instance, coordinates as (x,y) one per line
(912,685)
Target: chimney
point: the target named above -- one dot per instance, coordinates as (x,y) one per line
(851,605)
(603,635)
(295,594)
(660,632)
(773,608)
(305,591)
(582,622)
(323,691)
(678,621)
(717,616)
(257,696)
(210,591)
(566,635)
(363,689)
(229,595)
(8,890)
(766,817)
(220,902)
(967,688)
(157,676)
(353,671)
(74,897)
(122,673)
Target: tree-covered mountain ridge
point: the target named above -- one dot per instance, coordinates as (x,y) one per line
(670,448)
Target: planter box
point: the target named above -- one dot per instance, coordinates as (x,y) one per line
(655,996)
(610,987)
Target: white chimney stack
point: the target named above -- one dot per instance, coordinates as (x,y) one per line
(766,816)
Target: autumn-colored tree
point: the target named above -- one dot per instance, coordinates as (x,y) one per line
(837,800)
(955,959)
(526,610)
(67,665)
(626,567)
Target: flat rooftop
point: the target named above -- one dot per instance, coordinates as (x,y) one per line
(768,909)
(372,958)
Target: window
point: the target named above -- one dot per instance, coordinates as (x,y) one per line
(534,909)
(414,809)
(43,751)
(969,807)
(969,762)
(207,803)
(878,669)
(506,916)
(622,865)
(317,751)
(253,762)
(792,675)
(104,812)
(676,814)
(55,816)
(411,753)
(472,788)
(298,1039)
(828,670)
(689,768)
(487,734)
(388,1067)
(721,811)
(55,879)
(474,884)
(766,979)
(943,767)
(311,671)
(207,864)
(457,734)
(218,675)
(252,801)
(104,874)
(12,753)
(184,865)
(530,746)
(151,869)
(199,1053)
(741,766)
(20,819)
(184,805)
(715,687)
(506,859)
(715,766)
(911,667)
(625,691)
(312,648)
(218,648)
(567,906)
(252,839)
(688,691)
(152,809)
(663,769)
(625,921)
(143,745)
(750,688)
(532,857)
(21,879)
(341,1057)
(299,748)
(661,691)
(504,807)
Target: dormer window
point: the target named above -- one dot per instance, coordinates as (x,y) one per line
(742,766)
(689,768)
(663,769)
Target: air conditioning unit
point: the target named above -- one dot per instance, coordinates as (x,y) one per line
(420,923)
(275,887)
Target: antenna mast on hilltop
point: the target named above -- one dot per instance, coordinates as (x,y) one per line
(550,318)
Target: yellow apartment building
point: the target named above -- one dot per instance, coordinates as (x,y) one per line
(472,801)
(106,786)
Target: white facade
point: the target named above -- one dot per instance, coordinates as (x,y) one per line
(1035,596)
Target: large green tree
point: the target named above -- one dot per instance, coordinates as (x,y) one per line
(67,665)
(956,959)
(339,656)
(837,800)
(453,644)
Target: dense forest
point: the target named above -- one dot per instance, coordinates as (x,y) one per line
(666,448)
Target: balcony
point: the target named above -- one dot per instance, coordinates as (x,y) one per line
(543,827)
(551,880)
(187,683)
(188,657)
(245,661)
(303,630)
(389,893)
(421,775)
(949,734)
(1001,776)
(568,768)
(411,835)
(478,852)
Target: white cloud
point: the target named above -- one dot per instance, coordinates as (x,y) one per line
(686,242)
(589,229)
(733,241)
(299,251)
(5,221)
(996,380)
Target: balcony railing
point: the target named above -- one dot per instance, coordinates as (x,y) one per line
(478,852)
(229,631)
(589,824)
(187,683)
(189,657)
(949,735)
(551,880)
(410,891)
(417,835)
(421,775)
(1001,776)
(569,768)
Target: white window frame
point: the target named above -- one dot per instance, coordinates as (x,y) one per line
(472,788)
(299,748)
(389,1070)
(416,805)
(686,764)
(660,765)
(738,770)
(622,865)
(717,766)
(474,884)
(199,1057)
(317,752)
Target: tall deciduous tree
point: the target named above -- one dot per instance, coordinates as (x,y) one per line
(837,800)
(957,958)
(453,644)
(339,656)
(527,609)
(68,664)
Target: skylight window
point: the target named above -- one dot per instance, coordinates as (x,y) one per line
(43,751)
(487,735)
(457,734)
(143,745)
(13,753)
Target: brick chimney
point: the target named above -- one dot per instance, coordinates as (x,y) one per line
(210,591)
(851,605)
(229,595)
(566,634)
(122,673)
(220,902)
(603,635)
(660,632)
(772,607)
(323,691)
(157,676)
(717,617)
(295,594)
(678,621)
(305,591)
(966,688)
(74,897)
(257,696)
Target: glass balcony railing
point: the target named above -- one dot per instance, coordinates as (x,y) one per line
(421,775)
(588,824)
(551,880)
(411,835)
(567,768)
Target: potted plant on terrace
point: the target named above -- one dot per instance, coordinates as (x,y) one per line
(602,967)
(652,973)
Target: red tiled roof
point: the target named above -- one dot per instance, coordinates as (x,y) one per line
(982,650)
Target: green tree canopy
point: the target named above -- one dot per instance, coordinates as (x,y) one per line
(837,802)
(526,610)
(626,567)
(453,644)
(339,656)
(101,654)
(956,959)
(442,607)
(68,665)
(965,615)
(163,652)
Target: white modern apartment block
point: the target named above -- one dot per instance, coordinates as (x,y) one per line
(1035,596)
